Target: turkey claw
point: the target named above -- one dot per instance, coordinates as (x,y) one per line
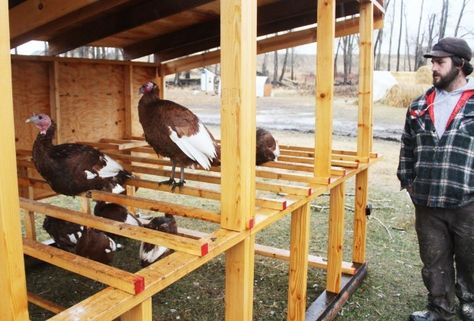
(177,184)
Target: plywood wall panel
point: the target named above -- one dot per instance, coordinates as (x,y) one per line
(140,75)
(91,101)
(31,92)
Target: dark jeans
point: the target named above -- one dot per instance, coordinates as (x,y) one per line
(446,240)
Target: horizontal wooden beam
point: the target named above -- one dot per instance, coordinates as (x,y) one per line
(32,14)
(313,260)
(61,22)
(91,269)
(114,22)
(287,40)
(114,144)
(203,193)
(159,206)
(175,242)
(271,18)
(45,304)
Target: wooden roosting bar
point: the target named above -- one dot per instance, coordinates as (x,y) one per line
(94,101)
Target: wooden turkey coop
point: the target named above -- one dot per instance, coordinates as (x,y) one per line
(95,101)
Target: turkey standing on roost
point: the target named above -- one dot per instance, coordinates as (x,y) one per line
(71,169)
(267,147)
(176,132)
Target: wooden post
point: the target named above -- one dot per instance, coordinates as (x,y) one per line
(298,273)
(85,204)
(364,135)
(30,226)
(160,81)
(127,96)
(142,312)
(239,263)
(238,61)
(129,111)
(14,303)
(324,89)
(54,105)
(360,218)
(336,236)
(366,63)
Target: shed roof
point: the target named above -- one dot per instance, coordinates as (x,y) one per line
(167,28)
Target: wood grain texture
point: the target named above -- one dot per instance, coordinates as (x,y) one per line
(14,303)
(324,87)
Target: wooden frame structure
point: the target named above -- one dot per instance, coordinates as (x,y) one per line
(302,174)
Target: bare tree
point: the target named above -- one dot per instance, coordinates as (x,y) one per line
(285,59)
(418,45)
(336,55)
(407,44)
(391,36)
(378,41)
(347,48)
(461,13)
(400,36)
(431,25)
(275,67)
(292,63)
(264,65)
(444,19)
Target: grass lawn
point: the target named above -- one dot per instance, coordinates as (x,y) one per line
(391,291)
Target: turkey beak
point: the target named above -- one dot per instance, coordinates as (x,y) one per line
(141,90)
(32,118)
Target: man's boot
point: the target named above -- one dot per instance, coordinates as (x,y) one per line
(467,312)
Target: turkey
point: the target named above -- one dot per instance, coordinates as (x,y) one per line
(267,147)
(150,253)
(176,132)
(71,169)
(115,212)
(96,245)
(65,234)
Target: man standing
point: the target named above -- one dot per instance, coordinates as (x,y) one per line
(437,169)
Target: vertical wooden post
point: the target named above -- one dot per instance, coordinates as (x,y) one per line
(160,81)
(127,100)
(298,273)
(364,135)
(142,312)
(128,119)
(238,62)
(54,105)
(324,89)
(239,262)
(366,66)
(85,205)
(14,304)
(30,226)
(336,237)
(360,218)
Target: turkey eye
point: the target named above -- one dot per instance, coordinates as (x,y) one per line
(40,117)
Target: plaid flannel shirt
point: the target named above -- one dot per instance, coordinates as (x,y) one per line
(440,171)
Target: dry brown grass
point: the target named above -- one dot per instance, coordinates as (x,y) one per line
(402,95)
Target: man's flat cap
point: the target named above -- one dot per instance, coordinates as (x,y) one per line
(450,46)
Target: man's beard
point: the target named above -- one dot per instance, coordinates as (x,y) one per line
(445,81)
